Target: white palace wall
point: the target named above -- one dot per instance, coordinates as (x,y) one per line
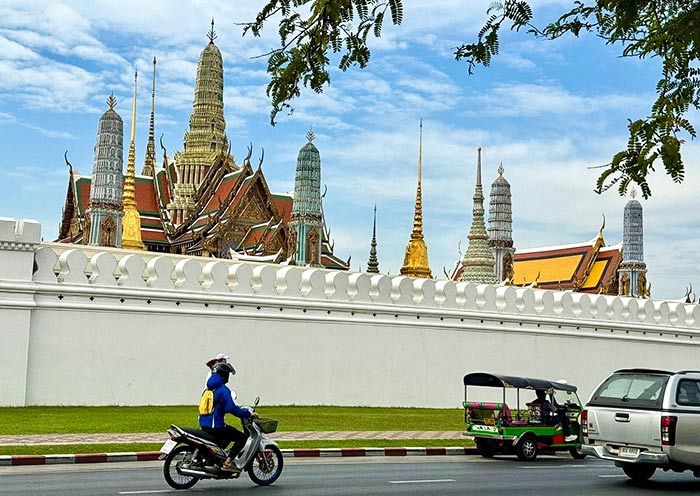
(97,326)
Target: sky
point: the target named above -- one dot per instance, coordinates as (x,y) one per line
(549,111)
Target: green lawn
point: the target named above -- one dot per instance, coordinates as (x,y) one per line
(68,420)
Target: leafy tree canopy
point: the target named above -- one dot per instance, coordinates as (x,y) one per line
(668,29)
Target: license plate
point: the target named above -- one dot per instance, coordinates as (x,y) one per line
(168,446)
(484,428)
(628,452)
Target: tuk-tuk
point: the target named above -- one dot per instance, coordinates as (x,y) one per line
(499,428)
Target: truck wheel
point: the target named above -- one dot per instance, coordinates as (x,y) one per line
(638,472)
(527,448)
(575,453)
(485,448)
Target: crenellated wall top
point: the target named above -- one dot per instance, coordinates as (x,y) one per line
(80,269)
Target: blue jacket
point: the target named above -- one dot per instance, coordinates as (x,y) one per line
(223,404)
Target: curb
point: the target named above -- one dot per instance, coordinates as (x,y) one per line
(16,460)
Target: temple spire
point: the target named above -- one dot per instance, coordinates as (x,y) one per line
(131,223)
(415,262)
(211,34)
(478,262)
(373,263)
(149,162)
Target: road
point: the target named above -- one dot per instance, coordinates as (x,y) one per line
(440,475)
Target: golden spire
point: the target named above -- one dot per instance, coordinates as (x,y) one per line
(415,261)
(111,101)
(131,222)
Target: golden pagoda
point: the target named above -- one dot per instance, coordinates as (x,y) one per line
(131,222)
(415,261)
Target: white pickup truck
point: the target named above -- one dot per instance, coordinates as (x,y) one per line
(643,420)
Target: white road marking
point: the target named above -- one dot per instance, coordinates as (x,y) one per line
(425,481)
(153,491)
(547,467)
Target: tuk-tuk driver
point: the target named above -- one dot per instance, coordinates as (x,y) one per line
(551,416)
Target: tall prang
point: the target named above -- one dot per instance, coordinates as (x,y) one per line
(500,227)
(104,216)
(306,221)
(206,138)
(415,260)
(632,279)
(131,224)
(478,261)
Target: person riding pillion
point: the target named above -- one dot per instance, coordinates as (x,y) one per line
(214,423)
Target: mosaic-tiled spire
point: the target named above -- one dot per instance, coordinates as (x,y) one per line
(632,271)
(131,223)
(415,260)
(478,261)
(373,263)
(105,209)
(150,160)
(306,221)
(501,227)
(206,138)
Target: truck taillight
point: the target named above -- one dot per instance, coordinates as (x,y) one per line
(668,430)
(584,423)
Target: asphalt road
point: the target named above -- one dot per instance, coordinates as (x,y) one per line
(440,475)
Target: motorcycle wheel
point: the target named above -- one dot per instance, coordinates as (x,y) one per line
(175,458)
(266,466)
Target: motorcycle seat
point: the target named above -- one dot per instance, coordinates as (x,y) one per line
(199,434)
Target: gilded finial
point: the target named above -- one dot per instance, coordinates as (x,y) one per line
(310,135)
(500,169)
(633,193)
(111,101)
(212,33)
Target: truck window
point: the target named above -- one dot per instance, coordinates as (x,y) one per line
(688,393)
(631,391)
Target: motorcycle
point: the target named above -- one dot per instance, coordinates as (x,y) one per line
(192,454)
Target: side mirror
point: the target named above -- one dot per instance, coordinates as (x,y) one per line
(257,400)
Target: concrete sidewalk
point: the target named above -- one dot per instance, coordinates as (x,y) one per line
(159,437)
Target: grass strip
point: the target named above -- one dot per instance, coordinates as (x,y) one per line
(111,419)
(63,449)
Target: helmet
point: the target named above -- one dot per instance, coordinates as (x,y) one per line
(224,370)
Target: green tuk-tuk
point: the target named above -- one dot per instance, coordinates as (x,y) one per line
(498,428)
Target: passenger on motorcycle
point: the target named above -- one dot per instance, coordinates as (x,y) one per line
(214,423)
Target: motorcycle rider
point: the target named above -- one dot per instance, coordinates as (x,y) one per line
(214,423)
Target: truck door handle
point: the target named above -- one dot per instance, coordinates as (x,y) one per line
(622,417)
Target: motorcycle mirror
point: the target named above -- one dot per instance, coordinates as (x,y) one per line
(257,400)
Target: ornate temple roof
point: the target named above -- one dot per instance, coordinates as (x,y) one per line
(587,267)
(500,212)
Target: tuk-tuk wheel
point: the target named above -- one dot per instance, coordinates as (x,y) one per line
(575,452)
(485,448)
(527,448)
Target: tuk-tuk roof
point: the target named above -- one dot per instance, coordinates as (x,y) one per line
(505,381)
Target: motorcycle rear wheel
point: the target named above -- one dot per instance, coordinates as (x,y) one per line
(266,466)
(181,454)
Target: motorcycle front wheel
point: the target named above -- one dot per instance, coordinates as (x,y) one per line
(266,466)
(178,456)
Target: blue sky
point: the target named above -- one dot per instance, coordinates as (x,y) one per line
(546,110)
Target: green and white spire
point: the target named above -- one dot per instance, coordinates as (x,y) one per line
(306,222)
